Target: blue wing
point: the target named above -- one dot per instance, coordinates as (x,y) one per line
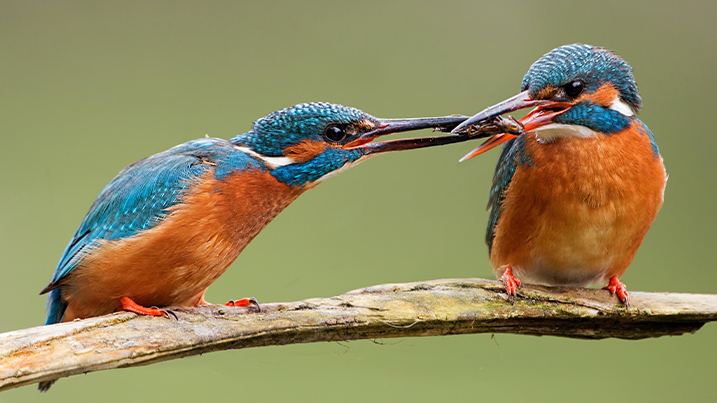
(513,152)
(139,198)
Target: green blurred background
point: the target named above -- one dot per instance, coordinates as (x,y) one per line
(89,87)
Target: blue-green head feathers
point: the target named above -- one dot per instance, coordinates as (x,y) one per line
(592,65)
(275,132)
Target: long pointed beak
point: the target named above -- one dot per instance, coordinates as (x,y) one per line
(542,115)
(388,126)
(447,123)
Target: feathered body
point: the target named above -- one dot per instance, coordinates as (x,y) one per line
(576,209)
(169,225)
(163,242)
(573,197)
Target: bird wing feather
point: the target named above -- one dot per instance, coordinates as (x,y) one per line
(512,154)
(139,198)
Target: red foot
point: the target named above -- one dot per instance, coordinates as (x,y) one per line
(511,283)
(244,302)
(131,306)
(616,287)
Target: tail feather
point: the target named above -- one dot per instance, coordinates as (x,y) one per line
(44,386)
(55,312)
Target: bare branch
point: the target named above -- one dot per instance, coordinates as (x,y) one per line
(431,308)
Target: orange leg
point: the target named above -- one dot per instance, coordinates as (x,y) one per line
(244,302)
(131,306)
(511,283)
(616,287)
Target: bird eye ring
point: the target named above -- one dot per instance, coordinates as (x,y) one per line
(574,88)
(335,133)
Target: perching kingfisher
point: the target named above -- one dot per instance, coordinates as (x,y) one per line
(574,195)
(169,225)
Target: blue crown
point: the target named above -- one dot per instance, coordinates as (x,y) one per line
(592,65)
(281,129)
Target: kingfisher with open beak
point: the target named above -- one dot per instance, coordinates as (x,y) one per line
(169,225)
(574,195)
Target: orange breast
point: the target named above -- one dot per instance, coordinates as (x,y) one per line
(174,262)
(577,215)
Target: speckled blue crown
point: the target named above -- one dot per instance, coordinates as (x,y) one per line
(592,65)
(278,130)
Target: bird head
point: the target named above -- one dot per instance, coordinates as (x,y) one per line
(306,143)
(576,90)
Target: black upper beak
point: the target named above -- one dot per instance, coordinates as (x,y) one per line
(511,104)
(388,126)
(542,115)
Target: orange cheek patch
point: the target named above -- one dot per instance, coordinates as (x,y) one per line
(546,93)
(365,125)
(604,96)
(305,151)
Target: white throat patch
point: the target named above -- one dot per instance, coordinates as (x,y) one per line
(548,133)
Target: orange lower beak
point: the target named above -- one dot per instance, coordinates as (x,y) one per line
(492,142)
(542,115)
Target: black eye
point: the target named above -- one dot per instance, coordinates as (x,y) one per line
(335,133)
(574,88)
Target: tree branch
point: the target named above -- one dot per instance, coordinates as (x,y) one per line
(430,308)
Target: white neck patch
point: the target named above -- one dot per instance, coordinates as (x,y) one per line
(276,162)
(618,105)
(273,162)
(548,133)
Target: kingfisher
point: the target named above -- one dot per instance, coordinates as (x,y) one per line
(573,195)
(169,225)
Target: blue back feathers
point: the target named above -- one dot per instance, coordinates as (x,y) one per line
(592,65)
(140,197)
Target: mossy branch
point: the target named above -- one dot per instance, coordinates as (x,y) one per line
(430,308)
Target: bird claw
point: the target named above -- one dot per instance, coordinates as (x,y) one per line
(244,302)
(169,314)
(617,288)
(511,284)
(166,312)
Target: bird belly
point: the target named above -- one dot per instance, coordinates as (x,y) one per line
(174,262)
(578,246)
(578,213)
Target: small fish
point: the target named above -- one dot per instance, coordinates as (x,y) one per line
(492,126)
